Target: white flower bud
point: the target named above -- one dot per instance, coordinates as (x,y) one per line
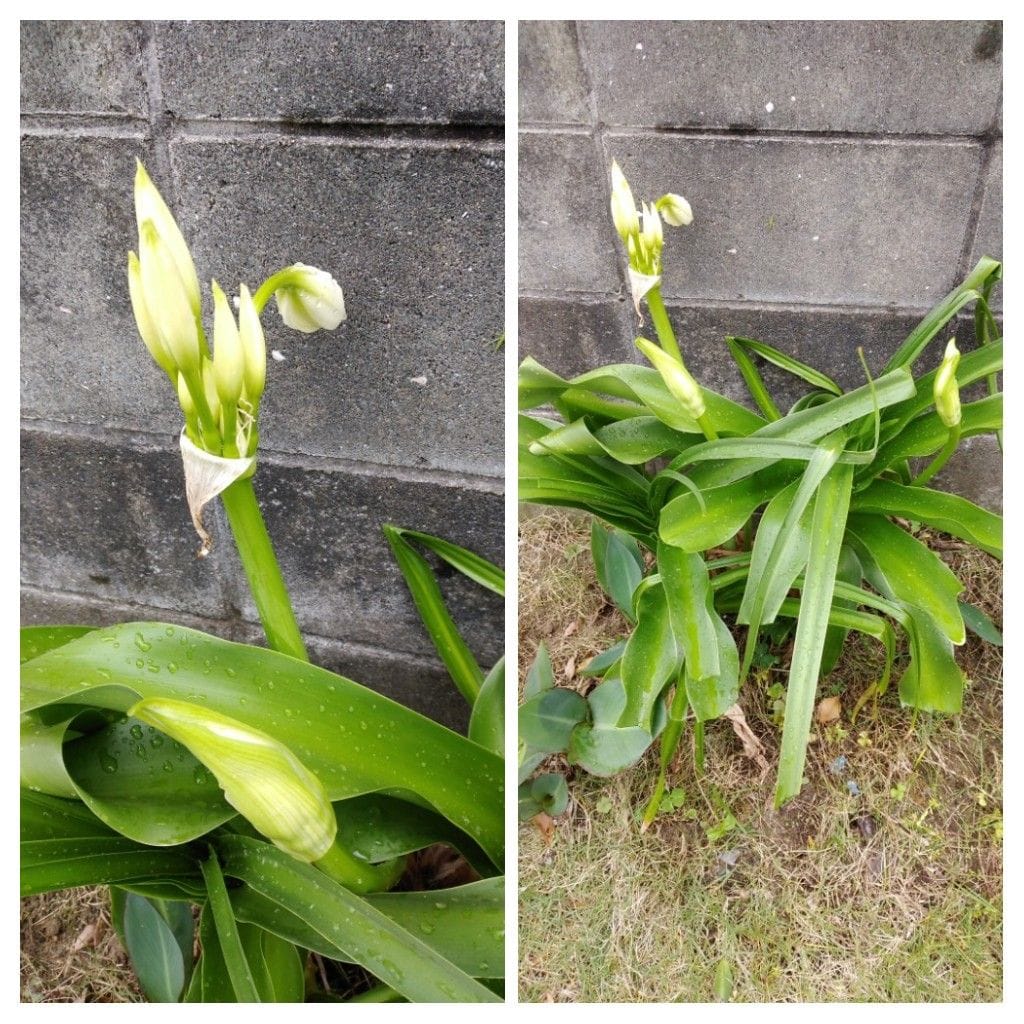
(624,214)
(228,356)
(310,300)
(675,210)
(147,329)
(254,346)
(946,391)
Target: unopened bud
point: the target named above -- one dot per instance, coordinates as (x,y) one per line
(675,210)
(228,356)
(166,300)
(310,300)
(624,214)
(254,347)
(261,778)
(147,329)
(676,377)
(150,206)
(946,390)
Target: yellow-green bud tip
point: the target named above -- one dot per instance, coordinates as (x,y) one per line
(946,391)
(676,377)
(261,777)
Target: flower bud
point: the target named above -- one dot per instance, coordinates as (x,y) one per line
(946,390)
(261,778)
(310,299)
(675,210)
(147,329)
(166,301)
(676,377)
(228,355)
(624,214)
(254,347)
(150,206)
(652,235)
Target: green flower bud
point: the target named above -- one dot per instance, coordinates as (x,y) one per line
(254,347)
(147,329)
(166,301)
(150,206)
(210,389)
(676,377)
(675,210)
(261,778)
(946,390)
(310,299)
(624,215)
(228,355)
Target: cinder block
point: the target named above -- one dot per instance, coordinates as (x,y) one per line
(988,240)
(108,521)
(82,360)
(975,471)
(83,67)
(552,83)
(565,230)
(573,337)
(866,224)
(414,235)
(343,579)
(419,72)
(917,77)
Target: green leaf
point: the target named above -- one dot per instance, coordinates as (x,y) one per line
(947,512)
(276,965)
(392,953)
(724,984)
(210,981)
(469,563)
(901,568)
(36,640)
(465,924)
(550,793)
(547,720)
(457,657)
(540,676)
(619,565)
(649,660)
(790,364)
(980,624)
(603,746)
(154,950)
(827,527)
(601,663)
(689,597)
(712,696)
(487,720)
(235,960)
(353,739)
(932,681)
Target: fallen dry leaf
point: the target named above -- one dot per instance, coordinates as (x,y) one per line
(570,667)
(828,710)
(752,746)
(86,937)
(570,629)
(546,826)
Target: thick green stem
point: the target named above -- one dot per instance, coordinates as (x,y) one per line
(271,285)
(659,317)
(940,460)
(261,569)
(210,430)
(359,876)
(669,745)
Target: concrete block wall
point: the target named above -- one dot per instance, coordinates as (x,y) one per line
(844,176)
(373,150)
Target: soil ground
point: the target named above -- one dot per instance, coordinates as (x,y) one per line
(880,882)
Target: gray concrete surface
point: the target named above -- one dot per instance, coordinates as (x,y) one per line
(844,176)
(372,150)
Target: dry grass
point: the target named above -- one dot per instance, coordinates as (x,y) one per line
(70,952)
(893,894)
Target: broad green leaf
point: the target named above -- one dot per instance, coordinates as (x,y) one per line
(603,746)
(649,659)
(540,675)
(830,510)
(712,696)
(691,610)
(538,385)
(465,924)
(547,720)
(980,624)
(276,965)
(394,954)
(36,640)
(549,793)
(419,577)
(948,512)
(487,721)
(848,571)
(932,681)
(154,950)
(210,981)
(353,739)
(791,365)
(601,663)
(619,565)
(901,568)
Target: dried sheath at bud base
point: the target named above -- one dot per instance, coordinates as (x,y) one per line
(206,476)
